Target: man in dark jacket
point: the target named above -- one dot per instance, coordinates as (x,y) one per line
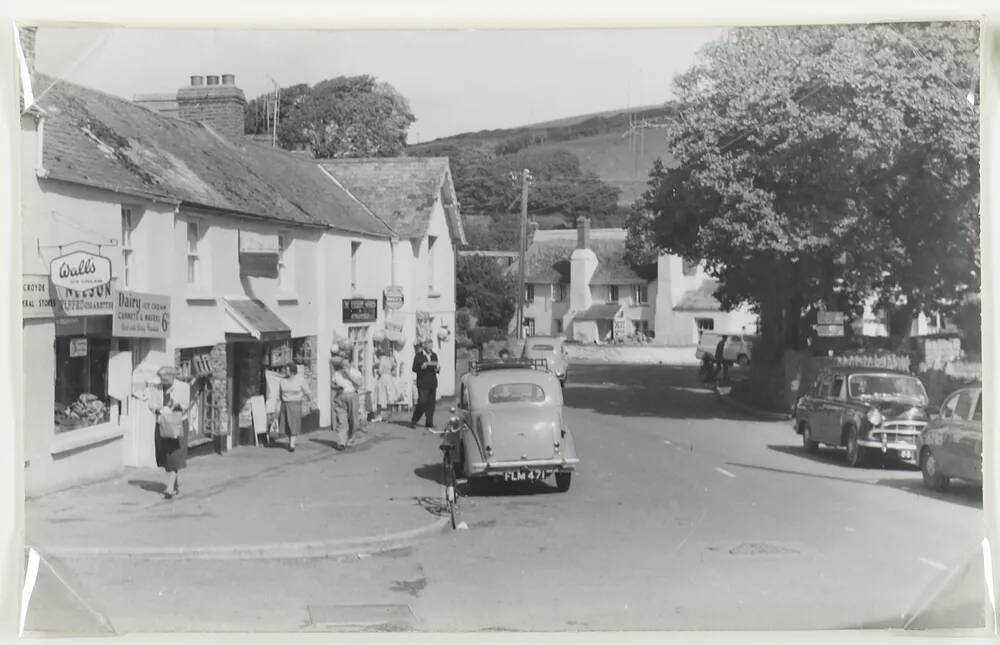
(721,365)
(425,366)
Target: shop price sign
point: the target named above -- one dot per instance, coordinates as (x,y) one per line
(77,347)
(140,315)
(360,310)
(80,271)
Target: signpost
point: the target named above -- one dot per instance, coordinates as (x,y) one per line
(359,310)
(80,271)
(140,315)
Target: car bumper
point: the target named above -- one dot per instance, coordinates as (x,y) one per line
(492,468)
(899,450)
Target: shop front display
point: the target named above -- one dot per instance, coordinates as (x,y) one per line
(82,351)
(197,367)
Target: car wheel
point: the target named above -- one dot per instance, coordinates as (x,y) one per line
(743,360)
(563,481)
(933,477)
(855,453)
(808,442)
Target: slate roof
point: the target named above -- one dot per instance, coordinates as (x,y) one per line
(600,312)
(700,299)
(104,141)
(548,258)
(402,190)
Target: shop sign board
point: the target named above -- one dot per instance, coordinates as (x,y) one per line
(140,315)
(77,347)
(80,271)
(42,299)
(830,317)
(392,298)
(360,310)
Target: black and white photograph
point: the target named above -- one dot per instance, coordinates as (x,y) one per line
(502,330)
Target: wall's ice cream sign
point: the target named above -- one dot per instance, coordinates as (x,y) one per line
(80,271)
(140,315)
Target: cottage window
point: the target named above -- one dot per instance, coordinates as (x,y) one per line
(355,247)
(128,260)
(194,265)
(640,294)
(431,247)
(613,293)
(529,326)
(704,324)
(286,270)
(558,292)
(529,293)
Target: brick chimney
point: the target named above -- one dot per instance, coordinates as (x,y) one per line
(27,38)
(583,232)
(219,106)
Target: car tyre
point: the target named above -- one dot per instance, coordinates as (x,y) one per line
(563,481)
(743,360)
(811,445)
(933,477)
(855,453)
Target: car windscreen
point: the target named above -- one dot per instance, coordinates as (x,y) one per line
(887,386)
(541,348)
(516,393)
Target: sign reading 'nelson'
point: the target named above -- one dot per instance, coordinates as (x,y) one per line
(360,310)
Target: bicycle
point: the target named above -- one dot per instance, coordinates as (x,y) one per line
(448,479)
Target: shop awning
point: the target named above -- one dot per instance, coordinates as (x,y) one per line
(600,312)
(253,318)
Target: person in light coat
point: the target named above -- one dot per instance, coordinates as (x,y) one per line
(170,396)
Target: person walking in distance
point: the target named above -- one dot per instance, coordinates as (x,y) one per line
(170,401)
(720,360)
(425,366)
(293,389)
(344,396)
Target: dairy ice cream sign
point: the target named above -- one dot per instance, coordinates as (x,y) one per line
(80,271)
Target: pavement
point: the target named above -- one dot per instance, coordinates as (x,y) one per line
(255,502)
(686,514)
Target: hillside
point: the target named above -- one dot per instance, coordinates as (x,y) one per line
(596,139)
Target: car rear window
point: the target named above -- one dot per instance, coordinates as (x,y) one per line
(516,393)
(541,348)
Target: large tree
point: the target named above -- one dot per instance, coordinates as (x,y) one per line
(485,290)
(826,164)
(347,116)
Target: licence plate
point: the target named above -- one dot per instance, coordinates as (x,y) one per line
(525,476)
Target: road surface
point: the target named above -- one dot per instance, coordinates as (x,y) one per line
(686,515)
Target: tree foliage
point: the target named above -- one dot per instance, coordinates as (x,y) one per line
(347,116)
(826,164)
(482,287)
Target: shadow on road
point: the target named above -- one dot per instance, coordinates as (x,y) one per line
(966,496)
(837,457)
(664,391)
(149,486)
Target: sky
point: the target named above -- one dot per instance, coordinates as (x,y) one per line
(455,81)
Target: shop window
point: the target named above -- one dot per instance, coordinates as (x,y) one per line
(640,294)
(81,383)
(128,260)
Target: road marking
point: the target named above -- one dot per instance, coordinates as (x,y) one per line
(932,563)
(725,472)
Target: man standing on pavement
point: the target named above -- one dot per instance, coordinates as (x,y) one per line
(720,360)
(343,394)
(425,366)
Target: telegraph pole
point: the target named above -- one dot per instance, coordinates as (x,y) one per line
(523,250)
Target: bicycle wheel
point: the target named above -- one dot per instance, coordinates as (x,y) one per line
(450,490)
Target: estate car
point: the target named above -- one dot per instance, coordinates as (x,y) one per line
(951,446)
(515,431)
(868,411)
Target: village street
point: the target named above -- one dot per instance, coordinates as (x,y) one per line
(686,514)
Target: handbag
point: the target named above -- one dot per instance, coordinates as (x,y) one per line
(171,425)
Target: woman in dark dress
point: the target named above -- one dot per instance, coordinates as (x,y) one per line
(170,396)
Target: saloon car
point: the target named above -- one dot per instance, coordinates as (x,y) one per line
(552,350)
(951,446)
(515,430)
(868,411)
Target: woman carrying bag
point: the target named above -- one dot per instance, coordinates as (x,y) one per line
(170,401)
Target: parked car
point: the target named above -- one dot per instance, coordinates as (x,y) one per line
(551,349)
(866,410)
(515,431)
(951,446)
(738,348)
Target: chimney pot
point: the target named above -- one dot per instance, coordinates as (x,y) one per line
(197,80)
(229,79)
(583,232)
(212,79)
